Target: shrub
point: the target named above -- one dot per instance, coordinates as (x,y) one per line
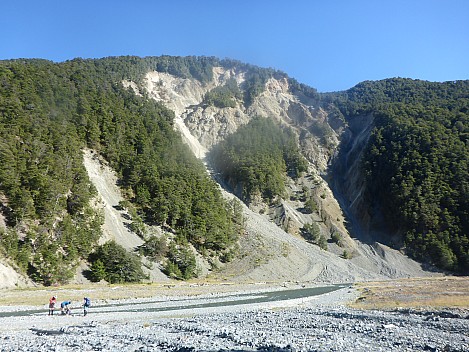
(311,232)
(138,227)
(181,262)
(322,242)
(336,238)
(119,265)
(346,254)
(310,205)
(155,248)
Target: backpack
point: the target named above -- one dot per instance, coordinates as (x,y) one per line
(87,302)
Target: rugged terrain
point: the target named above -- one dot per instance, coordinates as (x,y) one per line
(267,252)
(172,319)
(389,310)
(272,249)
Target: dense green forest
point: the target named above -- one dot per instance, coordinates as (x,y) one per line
(417,162)
(49,112)
(224,96)
(257,158)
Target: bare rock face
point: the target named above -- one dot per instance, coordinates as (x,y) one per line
(275,231)
(349,179)
(272,248)
(175,93)
(318,141)
(211,125)
(9,277)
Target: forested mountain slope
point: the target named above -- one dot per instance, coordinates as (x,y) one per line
(126,109)
(414,164)
(307,217)
(334,129)
(48,114)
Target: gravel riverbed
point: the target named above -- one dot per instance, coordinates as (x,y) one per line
(317,323)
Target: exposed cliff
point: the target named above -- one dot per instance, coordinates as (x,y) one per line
(322,138)
(413,135)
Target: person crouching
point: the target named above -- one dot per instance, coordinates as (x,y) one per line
(64,307)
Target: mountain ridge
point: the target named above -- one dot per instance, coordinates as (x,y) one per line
(330,135)
(275,88)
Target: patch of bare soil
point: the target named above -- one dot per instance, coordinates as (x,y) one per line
(268,253)
(116,223)
(11,278)
(417,293)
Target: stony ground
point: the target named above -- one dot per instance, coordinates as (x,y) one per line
(270,259)
(320,323)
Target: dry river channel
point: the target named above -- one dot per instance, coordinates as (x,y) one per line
(301,319)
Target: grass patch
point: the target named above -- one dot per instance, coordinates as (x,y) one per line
(441,292)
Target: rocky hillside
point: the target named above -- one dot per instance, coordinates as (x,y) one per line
(274,181)
(273,248)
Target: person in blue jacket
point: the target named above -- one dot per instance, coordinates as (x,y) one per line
(86,305)
(64,307)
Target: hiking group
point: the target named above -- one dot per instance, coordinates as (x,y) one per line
(65,306)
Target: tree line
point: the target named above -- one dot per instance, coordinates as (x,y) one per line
(416,162)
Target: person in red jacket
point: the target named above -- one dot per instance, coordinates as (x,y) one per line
(52,303)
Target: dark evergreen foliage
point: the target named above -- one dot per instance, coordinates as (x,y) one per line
(224,96)
(49,112)
(257,158)
(181,262)
(417,162)
(115,264)
(155,248)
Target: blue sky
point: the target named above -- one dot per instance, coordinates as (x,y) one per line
(328,44)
